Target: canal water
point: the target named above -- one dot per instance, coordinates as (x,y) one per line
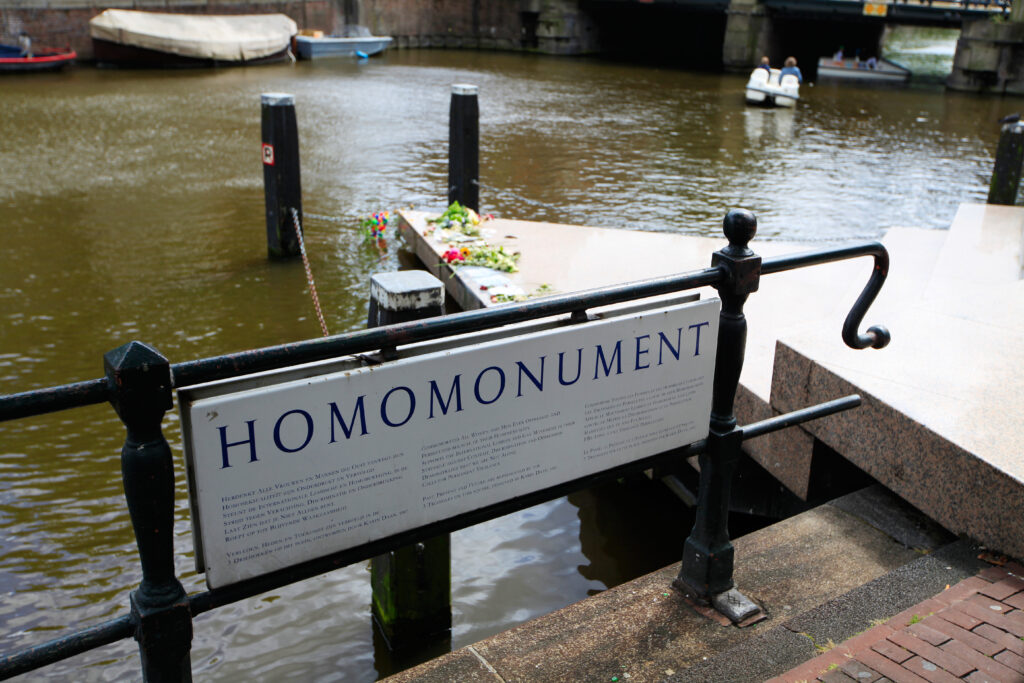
(131,207)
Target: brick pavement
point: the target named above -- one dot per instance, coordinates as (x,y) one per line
(973,631)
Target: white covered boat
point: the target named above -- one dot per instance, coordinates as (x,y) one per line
(878,71)
(351,41)
(136,38)
(768,89)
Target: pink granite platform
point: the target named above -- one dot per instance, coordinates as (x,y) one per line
(941,425)
(559,258)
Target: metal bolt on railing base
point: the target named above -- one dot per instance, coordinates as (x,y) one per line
(735,605)
(731,603)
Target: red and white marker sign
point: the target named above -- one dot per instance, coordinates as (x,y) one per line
(268,154)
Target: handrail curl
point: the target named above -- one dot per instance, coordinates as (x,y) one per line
(877,336)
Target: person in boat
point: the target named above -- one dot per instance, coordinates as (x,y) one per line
(872,62)
(838,56)
(25,43)
(791,68)
(765,64)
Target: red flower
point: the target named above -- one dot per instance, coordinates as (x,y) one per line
(453,255)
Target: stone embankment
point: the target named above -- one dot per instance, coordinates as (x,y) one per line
(551,27)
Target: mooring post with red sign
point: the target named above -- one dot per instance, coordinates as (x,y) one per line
(411,585)
(282,189)
(464,147)
(139,381)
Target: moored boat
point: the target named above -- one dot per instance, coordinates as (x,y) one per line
(43,59)
(353,40)
(770,89)
(154,39)
(879,70)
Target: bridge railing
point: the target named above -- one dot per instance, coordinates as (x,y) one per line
(139,384)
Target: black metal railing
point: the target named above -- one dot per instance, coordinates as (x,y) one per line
(139,384)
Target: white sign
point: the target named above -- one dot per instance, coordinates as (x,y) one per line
(300,469)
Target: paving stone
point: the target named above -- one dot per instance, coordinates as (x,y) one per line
(978,661)
(889,668)
(960,618)
(1000,638)
(929,670)
(1012,660)
(859,671)
(1015,601)
(994,574)
(928,634)
(862,641)
(964,639)
(965,588)
(988,603)
(945,659)
(835,676)
(891,651)
(1014,568)
(978,642)
(991,616)
(1003,589)
(981,677)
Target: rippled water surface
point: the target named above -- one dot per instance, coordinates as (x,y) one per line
(131,206)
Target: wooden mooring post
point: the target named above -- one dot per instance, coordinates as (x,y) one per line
(464,147)
(412,585)
(1009,158)
(282,187)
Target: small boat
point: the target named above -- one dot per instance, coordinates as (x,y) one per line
(153,39)
(42,59)
(879,71)
(768,89)
(353,40)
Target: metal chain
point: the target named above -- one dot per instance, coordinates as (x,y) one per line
(309,273)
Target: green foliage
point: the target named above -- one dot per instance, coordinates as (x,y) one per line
(460,218)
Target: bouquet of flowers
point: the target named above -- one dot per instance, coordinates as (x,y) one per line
(460,218)
(485,255)
(375,226)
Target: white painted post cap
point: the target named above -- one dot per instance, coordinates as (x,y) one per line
(464,89)
(277,99)
(406,290)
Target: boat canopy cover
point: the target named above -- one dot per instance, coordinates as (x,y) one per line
(229,38)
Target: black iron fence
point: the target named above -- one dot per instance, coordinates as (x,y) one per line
(139,384)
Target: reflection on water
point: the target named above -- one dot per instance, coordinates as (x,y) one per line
(775,125)
(927,52)
(132,209)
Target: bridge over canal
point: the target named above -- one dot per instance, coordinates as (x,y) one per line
(739,32)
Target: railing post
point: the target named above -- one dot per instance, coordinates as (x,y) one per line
(708,553)
(282,186)
(411,585)
(464,147)
(1006,172)
(140,386)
